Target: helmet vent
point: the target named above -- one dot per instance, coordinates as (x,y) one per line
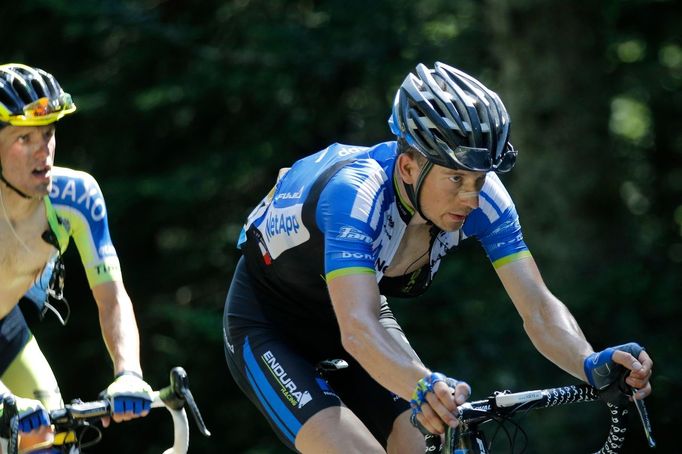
(6,99)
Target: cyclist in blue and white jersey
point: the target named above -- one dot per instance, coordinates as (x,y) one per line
(346,227)
(41,207)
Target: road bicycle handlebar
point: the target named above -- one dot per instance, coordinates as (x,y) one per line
(502,405)
(173,397)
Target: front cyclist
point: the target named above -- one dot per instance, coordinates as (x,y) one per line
(347,226)
(41,207)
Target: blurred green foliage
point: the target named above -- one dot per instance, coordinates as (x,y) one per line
(188,109)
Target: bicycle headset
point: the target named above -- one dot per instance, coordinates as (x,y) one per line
(452,120)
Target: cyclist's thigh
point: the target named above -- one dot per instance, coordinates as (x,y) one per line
(405,438)
(28,374)
(373,404)
(279,381)
(336,430)
(278,378)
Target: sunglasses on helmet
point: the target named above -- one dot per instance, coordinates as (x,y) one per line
(479,159)
(40,112)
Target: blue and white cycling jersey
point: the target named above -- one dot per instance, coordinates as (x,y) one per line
(336,213)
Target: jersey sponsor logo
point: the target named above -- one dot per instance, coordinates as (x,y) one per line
(106,269)
(324,386)
(282,229)
(289,195)
(289,389)
(380,265)
(277,224)
(342,152)
(351,233)
(347,151)
(356,255)
(86,196)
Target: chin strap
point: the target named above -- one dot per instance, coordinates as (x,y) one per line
(413,191)
(11,186)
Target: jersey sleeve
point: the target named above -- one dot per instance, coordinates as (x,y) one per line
(496,224)
(82,213)
(349,214)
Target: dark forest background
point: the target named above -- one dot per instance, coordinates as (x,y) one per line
(187,109)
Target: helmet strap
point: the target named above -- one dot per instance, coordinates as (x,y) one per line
(11,186)
(414,191)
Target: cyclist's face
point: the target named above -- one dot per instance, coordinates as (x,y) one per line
(27,157)
(448,196)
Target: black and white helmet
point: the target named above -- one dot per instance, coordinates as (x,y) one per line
(453,120)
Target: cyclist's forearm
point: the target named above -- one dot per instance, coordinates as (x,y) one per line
(390,361)
(549,324)
(385,359)
(119,327)
(556,334)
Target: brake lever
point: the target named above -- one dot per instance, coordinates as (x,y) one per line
(644,417)
(618,392)
(194,409)
(180,386)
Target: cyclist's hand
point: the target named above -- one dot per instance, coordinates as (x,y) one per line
(603,368)
(129,396)
(32,414)
(436,399)
(34,422)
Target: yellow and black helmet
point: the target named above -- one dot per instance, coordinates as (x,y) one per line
(31,97)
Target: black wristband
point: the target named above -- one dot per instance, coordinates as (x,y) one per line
(128,372)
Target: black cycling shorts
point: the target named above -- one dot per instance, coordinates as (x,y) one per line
(275,366)
(14,334)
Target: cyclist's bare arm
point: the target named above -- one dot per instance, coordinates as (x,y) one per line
(118,324)
(552,328)
(547,321)
(120,333)
(356,302)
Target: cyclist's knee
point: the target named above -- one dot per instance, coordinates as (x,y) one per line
(404,437)
(336,430)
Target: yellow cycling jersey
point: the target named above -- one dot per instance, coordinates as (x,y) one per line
(76,209)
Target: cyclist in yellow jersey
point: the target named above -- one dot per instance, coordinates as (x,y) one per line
(41,207)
